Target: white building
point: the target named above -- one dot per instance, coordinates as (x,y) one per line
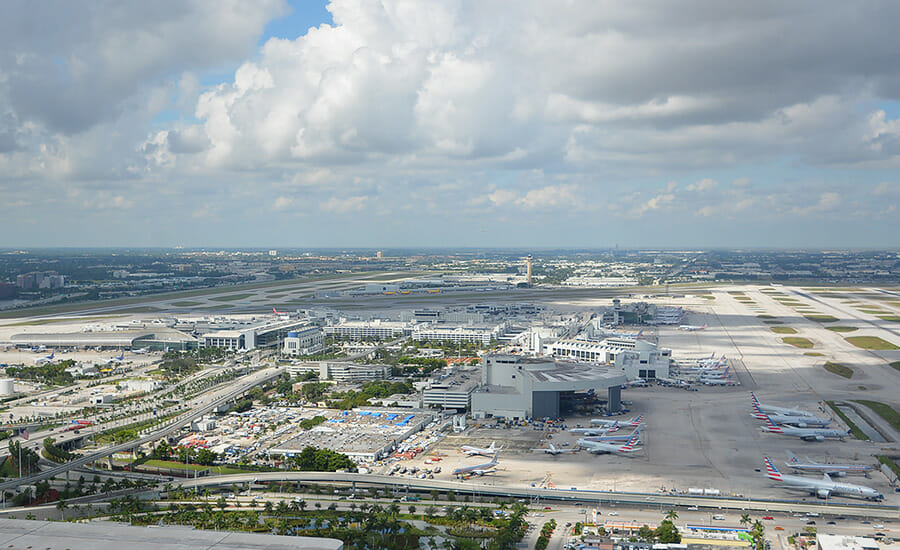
(306,341)
(342,372)
(639,358)
(377,328)
(483,335)
(844,542)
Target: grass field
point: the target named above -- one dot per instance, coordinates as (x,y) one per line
(773,322)
(766,316)
(838,369)
(842,328)
(870,342)
(798,342)
(884,411)
(783,330)
(896,365)
(874,311)
(814,354)
(186,304)
(822,318)
(230,298)
(892,318)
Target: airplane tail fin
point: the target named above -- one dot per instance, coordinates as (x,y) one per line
(628,447)
(772,427)
(792,458)
(771,471)
(639,333)
(754,399)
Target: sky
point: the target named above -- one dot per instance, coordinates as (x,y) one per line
(451,123)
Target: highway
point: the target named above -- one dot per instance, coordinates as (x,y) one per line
(241,386)
(533,493)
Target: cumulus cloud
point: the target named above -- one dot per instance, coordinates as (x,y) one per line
(414,107)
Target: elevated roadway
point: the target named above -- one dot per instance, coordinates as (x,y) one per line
(571,495)
(241,386)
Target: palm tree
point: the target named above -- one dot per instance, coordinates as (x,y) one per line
(61,505)
(268,507)
(672,515)
(745,519)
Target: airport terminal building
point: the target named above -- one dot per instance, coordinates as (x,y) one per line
(518,387)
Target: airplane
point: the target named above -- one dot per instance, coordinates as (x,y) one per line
(806,434)
(115,360)
(613,425)
(692,328)
(592,431)
(599,447)
(839,470)
(620,437)
(471,450)
(276,312)
(141,351)
(772,409)
(553,450)
(45,359)
(717,381)
(478,469)
(792,420)
(822,488)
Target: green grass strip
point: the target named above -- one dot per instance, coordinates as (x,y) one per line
(783,330)
(842,329)
(798,342)
(870,342)
(854,429)
(883,410)
(838,369)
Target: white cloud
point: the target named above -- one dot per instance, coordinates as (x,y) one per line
(703,185)
(344,205)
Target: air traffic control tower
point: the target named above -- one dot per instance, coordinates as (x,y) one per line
(517,387)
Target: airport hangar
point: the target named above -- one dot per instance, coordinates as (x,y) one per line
(517,387)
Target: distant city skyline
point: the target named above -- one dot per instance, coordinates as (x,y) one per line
(461,123)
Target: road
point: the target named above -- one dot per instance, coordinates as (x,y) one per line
(557,495)
(241,386)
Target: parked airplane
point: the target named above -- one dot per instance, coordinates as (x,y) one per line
(839,470)
(471,450)
(620,437)
(717,381)
(141,351)
(806,434)
(613,425)
(772,409)
(115,360)
(276,312)
(478,469)
(591,431)
(792,420)
(553,450)
(599,447)
(45,359)
(692,328)
(822,488)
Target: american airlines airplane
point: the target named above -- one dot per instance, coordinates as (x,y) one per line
(791,420)
(478,469)
(613,425)
(822,488)
(553,450)
(45,359)
(772,409)
(692,328)
(471,450)
(806,434)
(599,447)
(621,437)
(839,470)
